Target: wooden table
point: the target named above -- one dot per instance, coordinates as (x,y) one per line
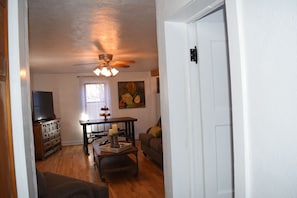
(113,162)
(129,128)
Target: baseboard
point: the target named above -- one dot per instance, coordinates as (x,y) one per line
(71,143)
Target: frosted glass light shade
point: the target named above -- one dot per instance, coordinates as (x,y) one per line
(106,71)
(114,71)
(97,71)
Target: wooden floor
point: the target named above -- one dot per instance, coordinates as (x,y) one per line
(71,161)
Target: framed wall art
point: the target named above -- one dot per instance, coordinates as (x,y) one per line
(131,94)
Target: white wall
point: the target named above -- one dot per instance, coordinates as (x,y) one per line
(263,46)
(67,101)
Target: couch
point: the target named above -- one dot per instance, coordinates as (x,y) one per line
(58,186)
(151,143)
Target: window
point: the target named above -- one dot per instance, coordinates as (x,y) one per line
(95,93)
(95,99)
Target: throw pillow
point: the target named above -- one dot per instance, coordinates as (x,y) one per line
(155,131)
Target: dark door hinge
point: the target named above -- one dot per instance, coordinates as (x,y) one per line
(194,55)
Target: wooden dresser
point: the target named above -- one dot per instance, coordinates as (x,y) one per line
(47,138)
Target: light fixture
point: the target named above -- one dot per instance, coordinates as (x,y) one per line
(106,71)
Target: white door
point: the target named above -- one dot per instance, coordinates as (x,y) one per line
(216,106)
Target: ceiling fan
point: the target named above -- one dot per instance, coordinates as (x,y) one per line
(107,67)
(107,59)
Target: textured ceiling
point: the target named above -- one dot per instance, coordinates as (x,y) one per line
(65,33)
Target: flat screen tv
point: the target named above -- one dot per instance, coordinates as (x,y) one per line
(43,107)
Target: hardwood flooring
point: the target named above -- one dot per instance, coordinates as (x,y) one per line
(71,161)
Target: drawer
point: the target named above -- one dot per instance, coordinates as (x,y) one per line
(47,145)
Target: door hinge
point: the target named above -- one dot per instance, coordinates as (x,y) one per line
(193,53)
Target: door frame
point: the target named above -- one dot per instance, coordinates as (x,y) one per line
(20,95)
(174,52)
(8,179)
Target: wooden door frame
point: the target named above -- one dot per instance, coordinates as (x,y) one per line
(8,181)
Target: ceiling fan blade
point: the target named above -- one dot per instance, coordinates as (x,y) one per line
(123,62)
(105,60)
(120,65)
(98,45)
(80,64)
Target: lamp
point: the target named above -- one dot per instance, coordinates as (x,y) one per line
(106,71)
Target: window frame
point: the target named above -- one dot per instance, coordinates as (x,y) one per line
(92,80)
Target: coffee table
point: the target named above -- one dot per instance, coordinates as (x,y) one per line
(108,162)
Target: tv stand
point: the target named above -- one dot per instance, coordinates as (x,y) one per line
(47,138)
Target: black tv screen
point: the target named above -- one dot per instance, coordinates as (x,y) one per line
(43,107)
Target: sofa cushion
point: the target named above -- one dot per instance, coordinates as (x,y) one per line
(59,186)
(41,183)
(145,138)
(156,144)
(155,131)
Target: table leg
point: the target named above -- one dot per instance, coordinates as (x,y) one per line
(94,157)
(130,132)
(133,133)
(126,133)
(136,174)
(85,140)
(100,169)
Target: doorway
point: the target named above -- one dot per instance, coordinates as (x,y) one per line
(215,105)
